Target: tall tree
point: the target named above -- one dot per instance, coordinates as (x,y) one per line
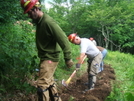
(69,14)
(109,21)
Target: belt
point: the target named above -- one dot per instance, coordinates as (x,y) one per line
(98,54)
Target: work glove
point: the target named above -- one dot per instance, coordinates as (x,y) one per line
(69,63)
(78,66)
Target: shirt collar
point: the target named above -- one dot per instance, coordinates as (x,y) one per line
(40,19)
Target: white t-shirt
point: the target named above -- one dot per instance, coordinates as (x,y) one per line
(88,47)
(94,42)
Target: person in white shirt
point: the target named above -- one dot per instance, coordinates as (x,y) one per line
(104,53)
(89,50)
(92,39)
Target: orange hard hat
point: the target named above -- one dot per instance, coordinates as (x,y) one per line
(71,37)
(28,4)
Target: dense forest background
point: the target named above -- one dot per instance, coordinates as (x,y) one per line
(109,22)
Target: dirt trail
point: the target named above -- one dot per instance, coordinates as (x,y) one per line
(75,91)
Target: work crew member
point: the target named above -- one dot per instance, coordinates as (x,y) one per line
(92,39)
(50,39)
(104,53)
(89,50)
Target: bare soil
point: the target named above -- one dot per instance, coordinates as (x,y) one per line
(76,89)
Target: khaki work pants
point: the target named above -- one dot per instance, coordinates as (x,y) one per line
(45,80)
(94,67)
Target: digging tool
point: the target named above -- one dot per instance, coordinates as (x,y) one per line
(65,83)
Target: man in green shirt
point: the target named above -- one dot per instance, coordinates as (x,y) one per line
(50,39)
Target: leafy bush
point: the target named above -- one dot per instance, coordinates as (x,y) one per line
(18,55)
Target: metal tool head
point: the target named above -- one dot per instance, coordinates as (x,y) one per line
(64,83)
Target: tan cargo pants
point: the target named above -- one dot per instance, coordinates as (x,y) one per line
(45,80)
(93,69)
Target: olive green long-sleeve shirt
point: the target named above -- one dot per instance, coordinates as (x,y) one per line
(50,39)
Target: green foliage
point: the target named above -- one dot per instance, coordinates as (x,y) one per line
(69,14)
(130,94)
(123,85)
(99,18)
(18,55)
(116,92)
(71,98)
(10,11)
